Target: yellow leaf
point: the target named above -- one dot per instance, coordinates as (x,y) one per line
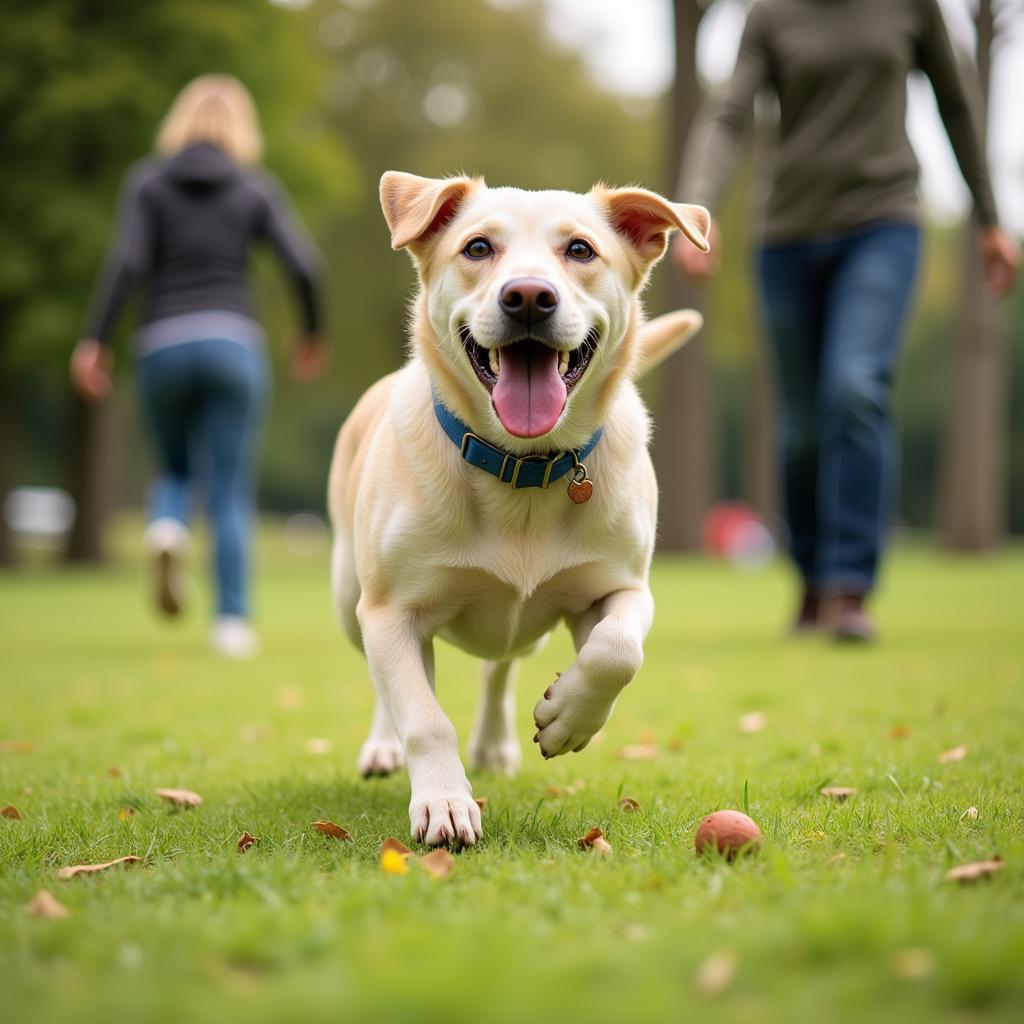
(393,863)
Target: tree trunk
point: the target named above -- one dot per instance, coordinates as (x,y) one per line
(973,488)
(91,477)
(684,445)
(6,469)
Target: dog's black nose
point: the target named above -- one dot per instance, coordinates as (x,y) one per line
(528,300)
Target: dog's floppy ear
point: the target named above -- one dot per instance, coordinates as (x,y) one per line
(416,208)
(645,219)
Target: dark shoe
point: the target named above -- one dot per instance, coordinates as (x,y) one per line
(808,618)
(848,620)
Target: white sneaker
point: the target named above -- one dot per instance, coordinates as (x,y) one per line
(168,540)
(232,637)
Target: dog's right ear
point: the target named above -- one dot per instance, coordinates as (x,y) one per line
(417,208)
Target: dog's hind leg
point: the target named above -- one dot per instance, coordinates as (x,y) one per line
(494,745)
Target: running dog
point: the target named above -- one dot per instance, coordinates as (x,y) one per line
(499,483)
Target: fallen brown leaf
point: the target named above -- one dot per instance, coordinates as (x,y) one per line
(552,791)
(899,731)
(716,973)
(330,829)
(114,772)
(91,869)
(676,745)
(837,793)
(953,754)
(481,802)
(753,722)
(318,745)
(595,840)
(16,746)
(245,841)
(45,904)
(10,811)
(638,752)
(627,803)
(439,863)
(913,963)
(395,844)
(975,870)
(180,797)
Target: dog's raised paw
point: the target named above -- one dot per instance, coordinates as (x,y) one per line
(379,757)
(446,821)
(569,714)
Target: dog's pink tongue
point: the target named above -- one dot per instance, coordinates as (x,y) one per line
(530,393)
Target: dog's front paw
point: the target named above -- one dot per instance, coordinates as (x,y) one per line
(379,756)
(570,713)
(445,820)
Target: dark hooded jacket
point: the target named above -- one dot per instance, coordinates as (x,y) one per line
(185,229)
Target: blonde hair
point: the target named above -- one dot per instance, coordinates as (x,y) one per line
(217,109)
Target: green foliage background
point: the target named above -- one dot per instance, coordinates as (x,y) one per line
(343,89)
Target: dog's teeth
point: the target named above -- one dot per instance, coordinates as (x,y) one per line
(563,364)
(494,360)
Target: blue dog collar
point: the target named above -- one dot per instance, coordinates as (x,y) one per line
(528,471)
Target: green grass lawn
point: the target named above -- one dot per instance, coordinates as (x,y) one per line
(528,927)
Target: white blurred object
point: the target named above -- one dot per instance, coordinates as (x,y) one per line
(232,637)
(39,513)
(305,534)
(752,546)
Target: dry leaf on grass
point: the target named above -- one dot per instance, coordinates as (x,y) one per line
(754,722)
(954,754)
(318,745)
(395,845)
(975,870)
(638,752)
(289,698)
(91,869)
(837,793)
(10,811)
(595,840)
(439,863)
(913,963)
(481,802)
(330,829)
(245,841)
(180,797)
(552,791)
(716,973)
(45,904)
(899,731)
(16,746)
(628,804)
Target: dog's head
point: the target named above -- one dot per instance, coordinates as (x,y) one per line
(528,304)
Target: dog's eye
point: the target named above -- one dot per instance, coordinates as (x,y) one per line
(577,249)
(477,249)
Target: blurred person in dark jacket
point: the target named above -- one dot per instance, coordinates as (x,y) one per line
(188,220)
(838,258)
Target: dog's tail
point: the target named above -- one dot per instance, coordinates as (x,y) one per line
(660,337)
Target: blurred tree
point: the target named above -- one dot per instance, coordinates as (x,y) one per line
(972,482)
(82,89)
(685,452)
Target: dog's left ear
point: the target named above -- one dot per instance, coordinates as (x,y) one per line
(417,208)
(645,219)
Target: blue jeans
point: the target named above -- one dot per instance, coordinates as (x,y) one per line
(834,309)
(204,401)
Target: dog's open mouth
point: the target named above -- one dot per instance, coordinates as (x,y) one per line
(529,382)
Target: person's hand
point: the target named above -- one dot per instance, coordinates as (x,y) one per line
(91,365)
(1000,259)
(310,359)
(690,262)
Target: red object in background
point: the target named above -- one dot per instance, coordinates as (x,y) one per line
(734,530)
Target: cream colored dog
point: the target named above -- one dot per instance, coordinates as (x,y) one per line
(499,483)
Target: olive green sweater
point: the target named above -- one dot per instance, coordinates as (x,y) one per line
(842,157)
